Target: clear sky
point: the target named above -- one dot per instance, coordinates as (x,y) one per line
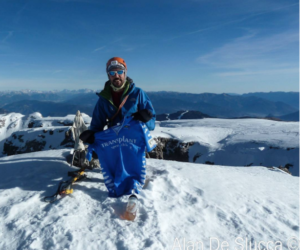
(196,46)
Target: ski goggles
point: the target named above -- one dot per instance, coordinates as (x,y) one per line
(113,73)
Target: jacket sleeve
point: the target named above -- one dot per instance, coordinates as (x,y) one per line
(98,120)
(145,103)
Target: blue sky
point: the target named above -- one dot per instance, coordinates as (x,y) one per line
(194,46)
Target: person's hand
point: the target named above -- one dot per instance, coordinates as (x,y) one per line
(87,136)
(143,115)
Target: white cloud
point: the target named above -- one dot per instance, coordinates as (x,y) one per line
(260,72)
(253,52)
(250,10)
(98,49)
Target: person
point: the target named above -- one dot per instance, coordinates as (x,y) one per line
(120,98)
(128,113)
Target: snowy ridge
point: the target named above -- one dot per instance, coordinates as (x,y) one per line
(213,130)
(183,204)
(31,126)
(9,124)
(37,139)
(238,142)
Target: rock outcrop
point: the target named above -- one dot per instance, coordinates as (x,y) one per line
(37,140)
(171,149)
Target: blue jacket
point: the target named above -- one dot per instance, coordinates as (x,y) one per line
(105,109)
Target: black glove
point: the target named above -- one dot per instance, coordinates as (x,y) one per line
(143,115)
(87,136)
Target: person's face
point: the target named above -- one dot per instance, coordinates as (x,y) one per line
(118,79)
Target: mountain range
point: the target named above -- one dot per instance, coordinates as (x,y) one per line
(61,103)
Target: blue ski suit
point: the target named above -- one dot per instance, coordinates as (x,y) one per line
(105,109)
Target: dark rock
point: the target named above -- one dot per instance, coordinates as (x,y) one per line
(2,123)
(16,144)
(30,146)
(289,149)
(288,165)
(68,141)
(196,157)
(9,148)
(171,149)
(286,168)
(31,125)
(66,123)
(20,138)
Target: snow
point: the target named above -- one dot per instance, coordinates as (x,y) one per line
(213,130)
(19,124)
(9,124)
(52,140)
(179,117)
(184,203)
(237,142)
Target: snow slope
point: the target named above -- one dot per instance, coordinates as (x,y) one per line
(237,142)
(185,202)
(212,131)
(31,126)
